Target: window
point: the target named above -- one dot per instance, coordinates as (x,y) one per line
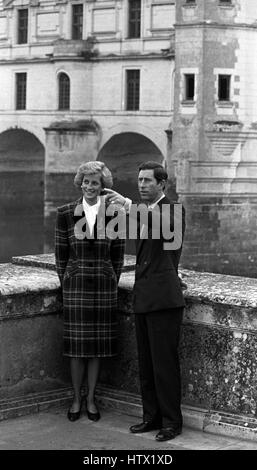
(22,26)
(21,90)
(77,21)
(224,88)
(64,91)
(190,1)
(189,91)
(133,86)
(134,18)
(225,1)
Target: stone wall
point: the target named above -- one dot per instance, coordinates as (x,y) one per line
(30,331)
(219,236)
(218,344)
(214,139)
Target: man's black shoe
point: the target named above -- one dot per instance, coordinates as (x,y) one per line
(144,427)
(165,434)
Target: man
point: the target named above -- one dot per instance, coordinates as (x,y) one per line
(158,307)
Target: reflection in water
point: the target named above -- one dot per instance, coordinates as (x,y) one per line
(21,194)
(21,214)
(21,237)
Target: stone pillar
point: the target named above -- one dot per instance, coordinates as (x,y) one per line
(171,189)
(68,145)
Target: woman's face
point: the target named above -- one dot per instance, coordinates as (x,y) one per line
(91,187)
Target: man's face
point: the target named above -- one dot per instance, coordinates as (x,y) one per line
(149,189)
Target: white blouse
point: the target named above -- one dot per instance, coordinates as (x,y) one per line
(91,213)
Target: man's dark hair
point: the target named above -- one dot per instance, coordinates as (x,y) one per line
(159,172)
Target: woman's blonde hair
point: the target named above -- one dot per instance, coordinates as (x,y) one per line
(92,168)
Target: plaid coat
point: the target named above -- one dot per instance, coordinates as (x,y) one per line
(89,271)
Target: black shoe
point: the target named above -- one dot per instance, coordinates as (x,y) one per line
(75,416)
(165,434)
(144,427)
(93,416)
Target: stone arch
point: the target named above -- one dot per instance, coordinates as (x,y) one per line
(36,131)
(22,158)
(159,138)
(123,154)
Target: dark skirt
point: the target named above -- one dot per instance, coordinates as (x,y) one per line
(90,316)
(92,336)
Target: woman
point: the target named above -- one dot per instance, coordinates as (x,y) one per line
(89,268)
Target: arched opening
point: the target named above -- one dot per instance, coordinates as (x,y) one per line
(21,194)
(64,91)
(123,154)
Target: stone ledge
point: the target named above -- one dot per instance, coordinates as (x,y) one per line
(193,417)
(33,402)
(220,288)
(201,419)
(202,287)
(19,279)
(47,261)
(39,261)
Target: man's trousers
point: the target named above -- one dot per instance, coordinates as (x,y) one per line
(158,336)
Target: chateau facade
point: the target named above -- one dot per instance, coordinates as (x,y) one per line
(125,81)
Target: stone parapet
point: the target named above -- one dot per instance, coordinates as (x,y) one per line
(218,346)
(48,261)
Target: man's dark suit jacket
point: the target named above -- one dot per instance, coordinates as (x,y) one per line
(157,286)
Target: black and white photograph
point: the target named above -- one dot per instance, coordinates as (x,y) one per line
(128,231)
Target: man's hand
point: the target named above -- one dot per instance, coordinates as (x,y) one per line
(112,197)
(183,285)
